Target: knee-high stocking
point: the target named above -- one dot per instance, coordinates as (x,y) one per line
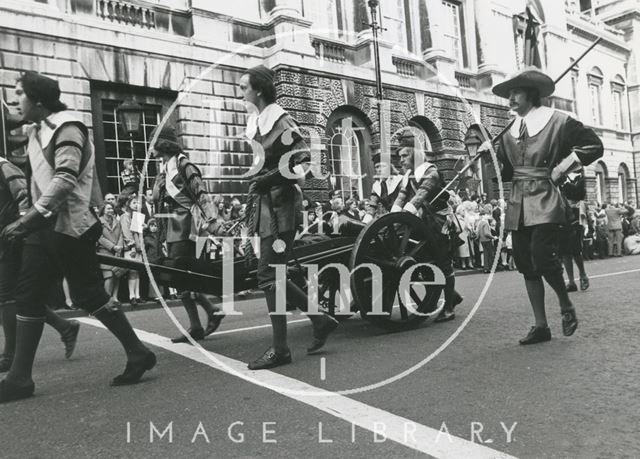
(28,334)
(278,322)
(535,290)
(556,282)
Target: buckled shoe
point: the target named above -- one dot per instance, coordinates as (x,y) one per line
(270,359)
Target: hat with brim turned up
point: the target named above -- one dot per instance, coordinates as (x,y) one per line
(530,77)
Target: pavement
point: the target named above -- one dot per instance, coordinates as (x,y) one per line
(479,395)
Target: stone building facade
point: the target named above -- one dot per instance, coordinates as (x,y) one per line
(181,60)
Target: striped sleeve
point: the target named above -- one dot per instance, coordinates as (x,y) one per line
(68,146)
(17,185)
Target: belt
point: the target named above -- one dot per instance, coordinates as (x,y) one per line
(530,173)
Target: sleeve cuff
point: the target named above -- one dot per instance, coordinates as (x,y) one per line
(44,212)
(410,208)
(396,208)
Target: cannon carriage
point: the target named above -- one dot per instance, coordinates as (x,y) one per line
(398,244)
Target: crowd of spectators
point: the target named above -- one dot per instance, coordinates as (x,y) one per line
(128,226)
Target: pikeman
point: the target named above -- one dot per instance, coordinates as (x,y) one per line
(180,186)
(419,189)
(60,232)
(539,150)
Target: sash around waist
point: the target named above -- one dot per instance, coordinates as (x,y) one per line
(531,173)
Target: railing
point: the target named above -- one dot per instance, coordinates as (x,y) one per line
(329,50)
(404,67)
(465,80)
(126,13)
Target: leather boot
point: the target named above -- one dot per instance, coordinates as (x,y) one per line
(18,383)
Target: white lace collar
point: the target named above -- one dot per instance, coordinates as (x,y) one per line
(536,120)
(264,121)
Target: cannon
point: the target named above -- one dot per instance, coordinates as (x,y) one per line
(396,243)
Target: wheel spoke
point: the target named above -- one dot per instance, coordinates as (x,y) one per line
(388,295)
(405,240)
(421,245)
(416,299)
(403,311)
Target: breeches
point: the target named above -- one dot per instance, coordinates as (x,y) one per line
(536,251)
(57,255)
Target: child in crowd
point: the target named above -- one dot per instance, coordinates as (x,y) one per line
(153,249)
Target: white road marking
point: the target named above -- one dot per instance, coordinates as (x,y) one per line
(619,273)
(257,327)
(420,438)
(323,368)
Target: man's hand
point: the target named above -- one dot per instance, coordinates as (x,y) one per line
(29,222)
(556,176)
(486,146)
(216,227)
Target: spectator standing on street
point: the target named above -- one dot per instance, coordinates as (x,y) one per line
(614,218)
(132,235)
(111,242)
(486,239)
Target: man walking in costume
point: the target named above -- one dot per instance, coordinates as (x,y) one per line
(14,201)
(276,209)
(419,188)
(60,232)
(180,186)
(542,146)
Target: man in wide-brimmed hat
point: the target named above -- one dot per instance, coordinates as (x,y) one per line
(539,150)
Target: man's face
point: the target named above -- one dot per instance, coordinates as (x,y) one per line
(382,170)
(109,198)
(27,109)
(518,101)
(108,210)
(249,95)
(148,196)
(406,159)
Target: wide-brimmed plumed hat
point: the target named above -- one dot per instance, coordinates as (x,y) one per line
(530,77)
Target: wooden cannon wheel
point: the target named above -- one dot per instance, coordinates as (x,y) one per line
(395,243)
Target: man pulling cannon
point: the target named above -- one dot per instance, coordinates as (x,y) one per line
(417,195)
(181,188)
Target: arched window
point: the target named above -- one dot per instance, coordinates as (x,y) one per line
(618,98)
(623,175)
(601,182)
(575,77)
(349,140)
(595,78)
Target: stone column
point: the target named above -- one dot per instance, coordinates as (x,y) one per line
(291,8)
(433,41)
